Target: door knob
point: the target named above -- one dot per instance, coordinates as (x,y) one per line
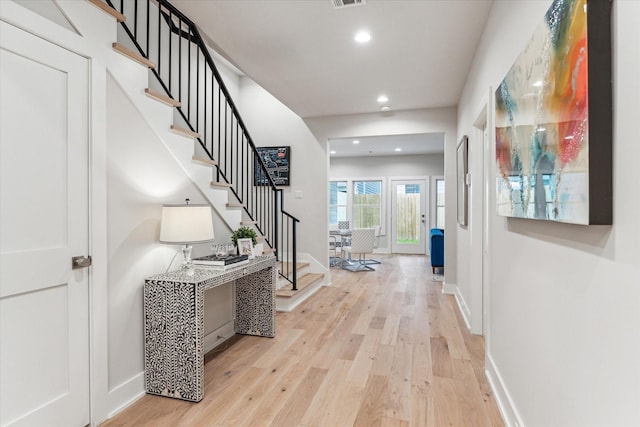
(80,262)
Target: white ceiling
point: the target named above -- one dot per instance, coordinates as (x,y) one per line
(303,51)
(422,143)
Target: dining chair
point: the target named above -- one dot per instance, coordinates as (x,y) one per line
(375,245)
(362,242)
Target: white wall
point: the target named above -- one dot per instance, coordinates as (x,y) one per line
(419,165)
(401,123)
(132,175)
(563,344)
(141,176)
(271,123)
(386,167)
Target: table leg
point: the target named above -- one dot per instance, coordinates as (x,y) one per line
(174,333)
(256,303)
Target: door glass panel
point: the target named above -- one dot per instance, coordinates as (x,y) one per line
(407,214)
(440,203)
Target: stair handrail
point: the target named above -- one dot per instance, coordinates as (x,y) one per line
(253,172)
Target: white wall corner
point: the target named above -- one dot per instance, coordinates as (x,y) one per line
(508,410)
(314,265)
(449,288)
(125,394)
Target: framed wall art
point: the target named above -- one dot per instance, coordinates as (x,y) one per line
(554,120)
(462,168)
(277,160)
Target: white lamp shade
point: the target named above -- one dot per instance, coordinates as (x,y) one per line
(183,224)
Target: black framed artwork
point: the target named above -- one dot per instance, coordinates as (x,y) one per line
(277,161)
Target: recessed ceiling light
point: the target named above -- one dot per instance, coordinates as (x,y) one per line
(539,83)
(398,149)
(355,141)
(385,108)
(332,152)
(362,36)
(382,99)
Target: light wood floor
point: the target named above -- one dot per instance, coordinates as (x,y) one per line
(383,348)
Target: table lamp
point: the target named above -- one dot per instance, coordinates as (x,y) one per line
(186,224)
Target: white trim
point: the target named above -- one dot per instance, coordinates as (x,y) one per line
(464,308)
(508,410)
(125,394)
(449,288)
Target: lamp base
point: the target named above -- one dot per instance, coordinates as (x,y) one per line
(187,264)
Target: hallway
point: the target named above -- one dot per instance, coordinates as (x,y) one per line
(375,348)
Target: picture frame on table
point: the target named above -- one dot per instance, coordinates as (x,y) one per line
(245,247)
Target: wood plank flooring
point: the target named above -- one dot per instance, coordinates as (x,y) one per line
(383,348)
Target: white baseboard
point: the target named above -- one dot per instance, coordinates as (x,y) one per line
(449,288)
(508,410)
(464,308)
(125,394)
(217,337)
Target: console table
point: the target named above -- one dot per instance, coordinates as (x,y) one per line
(174,322)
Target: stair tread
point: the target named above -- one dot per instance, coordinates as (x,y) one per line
(248,222)
(111,11)
(299,265)
(219,184)
(184,132)
(133,55)
(167,100)
(235,205)
(204,161)
(304,282)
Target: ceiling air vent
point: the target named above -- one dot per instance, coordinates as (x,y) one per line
(339,4)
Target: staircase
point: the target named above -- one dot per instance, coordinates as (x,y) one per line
(307,284)
(223,161)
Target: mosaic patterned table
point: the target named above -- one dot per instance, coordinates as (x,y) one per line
(174,322)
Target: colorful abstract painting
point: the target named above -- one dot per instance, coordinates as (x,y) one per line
(545,166)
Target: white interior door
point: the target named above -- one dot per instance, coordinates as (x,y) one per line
(408,217)
(44,310)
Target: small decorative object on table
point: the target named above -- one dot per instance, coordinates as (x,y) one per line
(244,238)
(245,247)
(221,262)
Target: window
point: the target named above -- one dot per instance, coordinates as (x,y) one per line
(337,201)
(367,204)
(440,203)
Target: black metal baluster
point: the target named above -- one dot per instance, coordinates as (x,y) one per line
(170,45)
(159,39)
(198,90)
(204,106)
(189,79)
(148,26)
(180,60)
(135,18)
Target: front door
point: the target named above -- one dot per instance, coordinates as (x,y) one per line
(408,216)
(44,306)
